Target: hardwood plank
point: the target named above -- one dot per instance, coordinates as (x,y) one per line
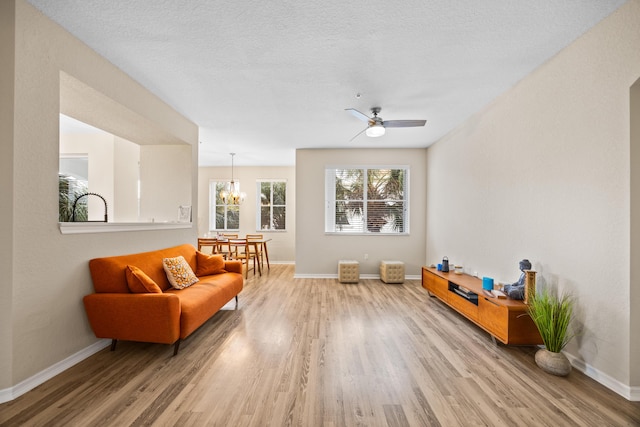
(314,352)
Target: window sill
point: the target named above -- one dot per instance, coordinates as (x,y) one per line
(117,227)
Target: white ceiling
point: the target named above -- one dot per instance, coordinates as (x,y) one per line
(263,78)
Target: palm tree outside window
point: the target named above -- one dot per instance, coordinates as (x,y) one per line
(367,200)
(222,217)
(272,205)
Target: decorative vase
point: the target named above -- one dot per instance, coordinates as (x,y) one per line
(529,285)
(553,363)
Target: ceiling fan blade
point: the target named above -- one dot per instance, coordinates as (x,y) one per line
(403,123)
(358,114)
(359,133)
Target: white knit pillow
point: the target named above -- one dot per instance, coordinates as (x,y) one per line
(179,272)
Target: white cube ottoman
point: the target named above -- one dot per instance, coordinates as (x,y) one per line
(392,271)
(348,271)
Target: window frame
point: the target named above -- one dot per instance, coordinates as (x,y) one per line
(213,198)
(331,200)
(271,205)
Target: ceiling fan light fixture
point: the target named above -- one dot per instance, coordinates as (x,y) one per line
(375,130)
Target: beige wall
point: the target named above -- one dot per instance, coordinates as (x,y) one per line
(634,301)
(282,244)
(317,253)
(7,78)
(543,173)
(48,271)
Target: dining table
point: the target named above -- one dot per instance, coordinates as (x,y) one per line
(263,246)
(219,243)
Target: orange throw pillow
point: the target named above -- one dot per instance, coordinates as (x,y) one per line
(139,283)
(207,265)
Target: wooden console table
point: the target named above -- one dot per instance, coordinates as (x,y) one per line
(507,320)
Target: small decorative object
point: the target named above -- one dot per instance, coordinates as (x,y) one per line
(487,283)
(498,294)
(457,269)
(184,213)
(529,285)
(445,264)
(552,315)
(516,290)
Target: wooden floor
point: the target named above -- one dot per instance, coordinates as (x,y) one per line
(314,352)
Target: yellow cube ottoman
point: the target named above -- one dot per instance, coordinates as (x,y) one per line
(348,271)
(392,271)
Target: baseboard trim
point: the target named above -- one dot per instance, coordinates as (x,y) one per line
(629,393)
(335,276)
(29,384)
(315,276)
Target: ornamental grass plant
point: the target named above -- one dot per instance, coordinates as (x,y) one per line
(552,315)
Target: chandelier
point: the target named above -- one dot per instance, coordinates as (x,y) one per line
(231,194)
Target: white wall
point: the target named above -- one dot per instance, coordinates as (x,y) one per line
(317,253)
(46,272)
(165,181)
(282,244)
(125,181)
(543,173)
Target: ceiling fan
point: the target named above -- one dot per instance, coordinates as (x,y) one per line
(377,125)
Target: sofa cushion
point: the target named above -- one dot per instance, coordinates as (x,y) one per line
(202,300)
(207,265)
(139,283)
(179,272)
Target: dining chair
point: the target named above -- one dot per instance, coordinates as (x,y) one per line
(223,244)
(206,242)
(257,248)
(239,251)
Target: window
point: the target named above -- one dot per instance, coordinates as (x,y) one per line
(221,216)
(367,200)
(73,181)
(272,205)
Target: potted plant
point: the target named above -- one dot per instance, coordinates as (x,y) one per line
(69,188)
(552,315)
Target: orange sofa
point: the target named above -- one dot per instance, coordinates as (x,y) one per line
(164,315)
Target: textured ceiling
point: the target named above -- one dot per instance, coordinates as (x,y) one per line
(264,78)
